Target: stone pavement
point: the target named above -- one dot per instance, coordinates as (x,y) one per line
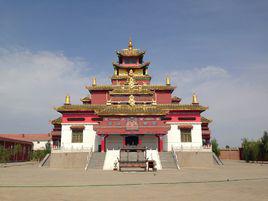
(235,180)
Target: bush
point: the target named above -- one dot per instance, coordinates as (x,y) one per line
(256,150)
(246,149)
(215,147)
(38,155)
(4,155)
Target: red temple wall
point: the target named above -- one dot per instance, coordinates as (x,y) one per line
(163,97)
(99,97)
(74,118)
(185,117)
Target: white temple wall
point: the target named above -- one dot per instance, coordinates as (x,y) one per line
(90,140)
(40,144)
(173,138)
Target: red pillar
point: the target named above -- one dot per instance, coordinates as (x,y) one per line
(103,143)
(140,140)
(123,140)
(160,143)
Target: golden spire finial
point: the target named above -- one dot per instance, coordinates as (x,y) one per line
(167,80)
(67,100)
(94,81)
(130,46)
(194,100)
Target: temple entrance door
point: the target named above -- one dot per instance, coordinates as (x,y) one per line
(132,140)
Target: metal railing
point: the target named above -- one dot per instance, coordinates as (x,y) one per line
(71,149)
(175,157)
(206,148)
(88,158)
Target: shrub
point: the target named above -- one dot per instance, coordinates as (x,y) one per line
(4,154)
(215,147)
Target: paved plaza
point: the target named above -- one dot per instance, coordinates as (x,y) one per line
(234,181)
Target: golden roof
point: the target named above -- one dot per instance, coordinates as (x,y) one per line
(127,66)
(205,120)
(56,121)
(147,87)
(137,77)
(182,107)
(123,110)
(138,109)
(130,51)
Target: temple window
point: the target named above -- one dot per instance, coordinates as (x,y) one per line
(77,133)
(130,60)
(76,119)
(154,123)
(186,135)
(77,136)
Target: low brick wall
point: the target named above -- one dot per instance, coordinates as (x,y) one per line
(230,154)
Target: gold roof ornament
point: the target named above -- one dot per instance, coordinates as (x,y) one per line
(67,100)
(109,102)
(131,73)
(131,100)
(194,100)
(130,46)
(94,81)
(167,80)
(130,50)
(131,82)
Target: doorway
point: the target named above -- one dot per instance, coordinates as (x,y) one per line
(132,140)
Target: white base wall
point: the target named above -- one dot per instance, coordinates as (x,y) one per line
(90,139)
(173,138)
(111,157)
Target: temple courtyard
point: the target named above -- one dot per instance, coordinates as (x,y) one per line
(235,180)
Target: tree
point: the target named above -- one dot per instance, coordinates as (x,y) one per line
(264,146)
(246,149)
(255,150)
(16,150)
(215,147)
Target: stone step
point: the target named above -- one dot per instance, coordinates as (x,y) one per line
(167,160)
(96,160)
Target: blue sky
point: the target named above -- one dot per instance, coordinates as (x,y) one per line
(216,48)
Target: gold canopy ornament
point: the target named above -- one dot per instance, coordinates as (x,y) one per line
(94,81)
(67,100)
(167,80)
(130,46)
(194,100)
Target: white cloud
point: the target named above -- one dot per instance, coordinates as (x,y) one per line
(237,103)
(31,84)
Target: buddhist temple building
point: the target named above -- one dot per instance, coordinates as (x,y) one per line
(131,112)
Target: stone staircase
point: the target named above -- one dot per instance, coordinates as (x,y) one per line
(96,160)
(167,160)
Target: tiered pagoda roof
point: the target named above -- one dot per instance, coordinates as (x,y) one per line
(132,96)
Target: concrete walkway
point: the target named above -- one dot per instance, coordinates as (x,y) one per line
(233,181)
